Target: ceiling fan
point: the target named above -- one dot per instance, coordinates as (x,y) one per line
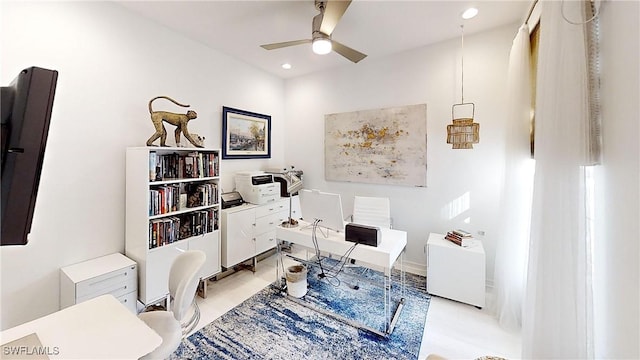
(323,24)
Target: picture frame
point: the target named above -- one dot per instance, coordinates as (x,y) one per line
(245,134)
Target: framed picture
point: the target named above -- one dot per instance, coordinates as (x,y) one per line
(245,135)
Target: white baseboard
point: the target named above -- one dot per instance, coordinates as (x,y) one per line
(413,268)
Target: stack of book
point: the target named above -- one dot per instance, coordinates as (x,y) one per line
(461,238)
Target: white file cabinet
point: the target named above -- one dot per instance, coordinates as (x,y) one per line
(249,230)
(113,274)
(455,272)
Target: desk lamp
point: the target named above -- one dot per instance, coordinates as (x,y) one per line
(294,184)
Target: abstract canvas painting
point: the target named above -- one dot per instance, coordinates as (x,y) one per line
(382,146)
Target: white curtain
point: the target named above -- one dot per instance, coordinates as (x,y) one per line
(557,317)
(511,252)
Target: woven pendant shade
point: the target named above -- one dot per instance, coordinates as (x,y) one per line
(463,133)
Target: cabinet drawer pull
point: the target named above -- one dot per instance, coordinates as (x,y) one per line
(114,292)
(108,279)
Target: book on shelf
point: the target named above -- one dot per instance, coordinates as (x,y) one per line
(153,159)
(200,165)
(189,167)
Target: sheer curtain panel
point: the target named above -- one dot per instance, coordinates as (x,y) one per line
(511,252)
(557,317)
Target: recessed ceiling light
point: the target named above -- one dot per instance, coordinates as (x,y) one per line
(286,66)
(469,13)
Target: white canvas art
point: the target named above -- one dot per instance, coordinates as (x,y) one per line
(384,146)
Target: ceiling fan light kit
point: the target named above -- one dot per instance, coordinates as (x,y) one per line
(321,46)
(322,26)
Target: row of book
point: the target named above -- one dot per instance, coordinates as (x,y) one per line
(461,238)
(174,228)
(167,198)
(164,199)
(201,194)
(194,164)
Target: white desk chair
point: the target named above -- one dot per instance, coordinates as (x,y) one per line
(372,211)
(170,325)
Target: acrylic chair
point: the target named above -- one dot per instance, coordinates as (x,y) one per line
(172,324)
(372,211)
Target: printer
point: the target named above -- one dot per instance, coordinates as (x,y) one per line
(257,187)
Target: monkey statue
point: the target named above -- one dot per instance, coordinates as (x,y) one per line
(180,121)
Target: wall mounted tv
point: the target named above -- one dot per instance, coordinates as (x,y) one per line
(26,114)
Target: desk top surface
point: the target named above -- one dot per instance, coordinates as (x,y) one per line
(100,328)
(392,243)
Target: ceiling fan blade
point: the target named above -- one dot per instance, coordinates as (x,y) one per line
(332,14)
(347,52)
(285,44)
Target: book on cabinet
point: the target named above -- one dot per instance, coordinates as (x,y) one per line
(172,205)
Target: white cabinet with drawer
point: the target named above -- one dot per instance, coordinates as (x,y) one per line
(455,272)
(250,230)
(113,274)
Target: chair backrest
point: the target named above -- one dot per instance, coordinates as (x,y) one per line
(184,277)
(372,211)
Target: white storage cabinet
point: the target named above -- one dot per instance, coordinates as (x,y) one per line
(113,274)
(249,230)
(455,272)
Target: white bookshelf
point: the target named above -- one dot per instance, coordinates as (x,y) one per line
(155,258)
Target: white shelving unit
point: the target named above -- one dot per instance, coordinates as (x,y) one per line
(455,272)
(249,230)
(199,225)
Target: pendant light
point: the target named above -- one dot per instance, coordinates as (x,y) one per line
(464,132)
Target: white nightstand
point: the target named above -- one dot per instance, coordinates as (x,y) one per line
(113,274)
(455,272)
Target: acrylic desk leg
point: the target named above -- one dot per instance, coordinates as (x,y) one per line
(391,323)
(387,300)
(279,284)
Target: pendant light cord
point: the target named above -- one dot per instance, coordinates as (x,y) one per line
(462,65)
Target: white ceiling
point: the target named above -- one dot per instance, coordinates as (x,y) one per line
(375,27)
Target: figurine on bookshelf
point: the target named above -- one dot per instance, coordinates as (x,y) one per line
(199,140)
(180,121)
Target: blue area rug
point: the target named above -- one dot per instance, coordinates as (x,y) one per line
(270,326)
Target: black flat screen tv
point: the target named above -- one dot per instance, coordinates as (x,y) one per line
(26,115)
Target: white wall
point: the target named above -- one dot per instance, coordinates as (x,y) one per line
(110,63)
(617,243)
(463,186)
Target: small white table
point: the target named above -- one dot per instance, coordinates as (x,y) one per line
(385,255)
(455,272)
(99,328)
